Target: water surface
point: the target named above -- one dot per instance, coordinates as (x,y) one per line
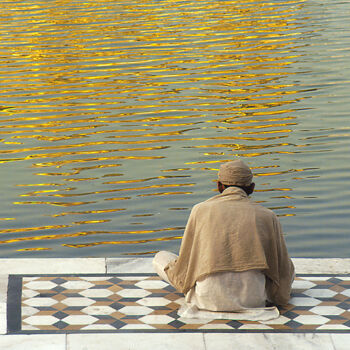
(116,115)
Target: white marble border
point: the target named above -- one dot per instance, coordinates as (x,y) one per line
(170,341)
(139,265)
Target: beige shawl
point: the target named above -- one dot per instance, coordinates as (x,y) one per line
(229,232)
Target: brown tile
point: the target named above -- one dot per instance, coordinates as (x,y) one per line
(337,288)
(280,326)
(192,326)
(105,321)
(117,315)
(132,321)
(310,327)
(75,327)
(160,312)
(340,297)
(162,326)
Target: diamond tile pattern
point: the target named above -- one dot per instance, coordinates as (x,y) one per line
(134,302)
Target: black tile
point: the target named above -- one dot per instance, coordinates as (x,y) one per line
(234,324)
(46,295)
(60,324)
(293,324)
(58,289)
(118,324)
(58,280)
(169,288)
(129,286)
(335,280)
(173,314)
(60,315)
(132,317)
(104,317)
(343,305)
(322,286)
(78,308)
(114,280)
(289,314)
(116,306)
(334,317)
(100,286)
(296,308)
(176,324)
(158,307)
(100,299)
(129,300)
(45,308)
(73,295)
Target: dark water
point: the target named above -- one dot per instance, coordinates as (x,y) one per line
(116,115)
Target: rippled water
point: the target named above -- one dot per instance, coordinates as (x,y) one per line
(115,116)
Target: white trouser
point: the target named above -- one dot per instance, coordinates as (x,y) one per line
(160,261)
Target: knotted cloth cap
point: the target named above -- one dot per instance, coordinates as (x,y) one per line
(235,173)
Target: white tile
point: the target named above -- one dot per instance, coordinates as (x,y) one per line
(95,279)
(215,326)
(308,265)
(77,285)
(33,341)
(29,293)
(98,327)
(333,327)
(96,293)
(76,301)
(133,278)
(3,288)
(341,341)
(66,265)
(327,310)
(154,301)
(135,310)
(302,284)
(98,310)
(3,319)
(316,278)
(29,311)
(301,301)
(279,320)
(137,326)
(40,285)
(129,265)
(156,319)
(311,319)
(152,284)
(40,302)
(346,292)
(320,293)
(195,320)
(267,341)
(255,326)
(41,320)
(80,319)
(133,293)
(29,327)
(159,341)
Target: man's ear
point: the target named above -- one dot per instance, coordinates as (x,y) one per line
(251,188)
(221,187)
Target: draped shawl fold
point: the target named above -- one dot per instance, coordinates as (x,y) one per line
(229,232)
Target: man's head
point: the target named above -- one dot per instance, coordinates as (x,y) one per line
(235,173)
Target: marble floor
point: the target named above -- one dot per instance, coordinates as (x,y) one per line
(120,303)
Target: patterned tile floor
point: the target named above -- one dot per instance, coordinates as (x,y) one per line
(143,302)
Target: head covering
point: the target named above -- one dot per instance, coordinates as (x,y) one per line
(235,173)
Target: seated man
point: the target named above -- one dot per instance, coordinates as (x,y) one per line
(233,255)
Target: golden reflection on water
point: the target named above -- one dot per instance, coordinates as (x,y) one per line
(149,88)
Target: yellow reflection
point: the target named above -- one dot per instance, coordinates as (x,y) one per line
(182,87)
